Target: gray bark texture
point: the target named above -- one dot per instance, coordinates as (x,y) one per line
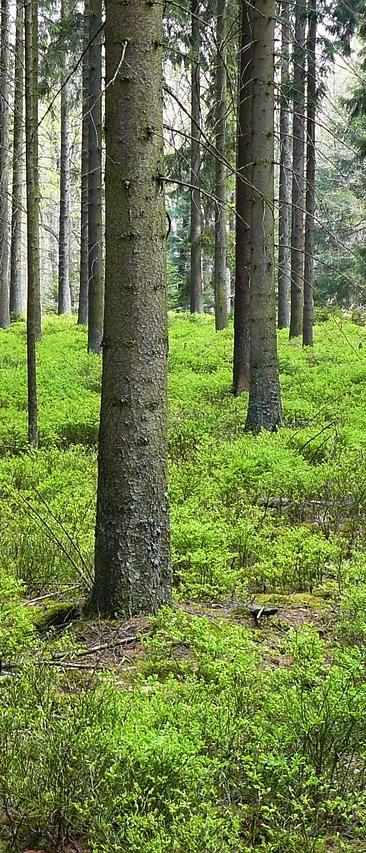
(16,284)
(196,293)
(221,316)
(132,560)
(4,166)
(264,409)
(31,137)
(285,184)
(241,361)
(84,273)
(298,160)
(307,338)
(95,223)
(64,292)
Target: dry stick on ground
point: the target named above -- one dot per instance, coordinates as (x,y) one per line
(113,644)
(74,665)
(58,659)
(56,594)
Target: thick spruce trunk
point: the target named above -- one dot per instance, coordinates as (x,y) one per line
(95,225)
(298,161)
(264,410)
(221,314)
(132,563)
(196,294)
(241,366)
(64,292)
(84,215)
(307,338)
(16,284)
(31,136)
(285,183)
(4,166)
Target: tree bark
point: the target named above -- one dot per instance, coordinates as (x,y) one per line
(221,316)
(4,166)
(264,410)
(84,274)
(285,183)
(95,229)
(64,292)
(31,135)
(241,366)
(310,178)
(132,564)
(16,284)
(297,230)
(196,293)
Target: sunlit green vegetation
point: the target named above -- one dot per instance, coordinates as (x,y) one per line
(223,736)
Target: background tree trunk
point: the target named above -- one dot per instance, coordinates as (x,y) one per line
(132,564)
(241,372)
(310,178)
(196,294)
(64,293)
(95,227)
(16,284)
(285,183)
(84,273)
(297,230)
(221,318)
(264,410)
(4,166)
(31,134)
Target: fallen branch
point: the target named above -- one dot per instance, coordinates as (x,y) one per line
(56,594)
(75,665)
(101,647)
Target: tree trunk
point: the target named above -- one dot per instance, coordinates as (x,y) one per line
(4,166)
(95,230)
(221,318)
(16,285)
(64,293)
(132,565)
(297,230)
(264,410)
(285,184)
(196,293)
(31,137)
(241,373)
(310,178)
(84,273)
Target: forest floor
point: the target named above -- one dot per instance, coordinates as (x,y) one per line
(209,727)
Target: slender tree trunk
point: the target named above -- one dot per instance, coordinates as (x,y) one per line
(52,253)
(310,178)
(84,273)
(64,292)
(285,184)
(95,229)
(4,166)
(221,318)
(16,285)
(297,230)
(241,373)
(132,565)
(264,410)
(196,293)
(31,134)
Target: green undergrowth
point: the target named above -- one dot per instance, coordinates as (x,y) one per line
(230,737)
